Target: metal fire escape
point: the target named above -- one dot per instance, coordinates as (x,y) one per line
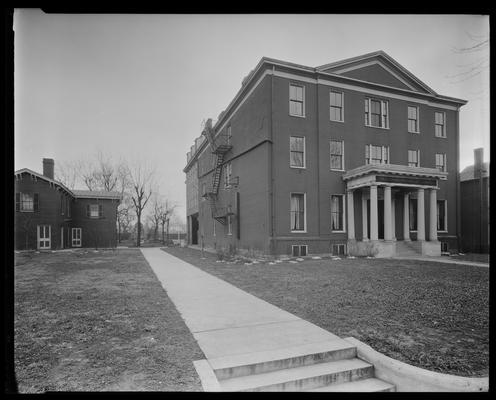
(219,147)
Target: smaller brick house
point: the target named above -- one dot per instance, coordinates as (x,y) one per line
(50,216)
(474,191)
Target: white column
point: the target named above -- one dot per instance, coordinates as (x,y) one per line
(393,218)
(387,213)
(364,218)
(406,217)
(351,215)
(433,216)
(374,232)
(420,215)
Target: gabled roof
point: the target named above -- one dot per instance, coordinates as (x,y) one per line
(467,173)
(380,61)
(88,194)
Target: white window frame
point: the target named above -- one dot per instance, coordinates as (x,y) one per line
(45,240)
(299,246)
(342,105)
(229,135)
(343,202)
(74,240)
(445,161)
(417,120)
(21,202)
(97,211)
(367,160)
(302,102)
(304,152)
(229,221)
(417,152)
(384,107)
(342,155)
(204,191)
(338,245)
(227,175)
(304,213)
(445,230)
(444,124)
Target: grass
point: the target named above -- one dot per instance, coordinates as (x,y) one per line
(431,315)
(98,321)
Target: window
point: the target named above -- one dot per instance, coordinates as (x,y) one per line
(336,106)
(440,124)
(299,250)
(441,162)
(441,216)
(297,212)
(229,220)
(296,152)
(227,174)
(44,233)
(413,215)
(296,100)
(414,158)
(376,113)
(444,247)
(229,135)
(413,119)
(337,213)
(94,211)
(337,153)
(204,191)
(338,249)
(76,237)
(376,154)
(27,201)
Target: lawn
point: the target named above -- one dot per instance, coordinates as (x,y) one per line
(98,321)
(431,315)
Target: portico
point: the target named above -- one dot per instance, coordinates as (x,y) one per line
(377,192)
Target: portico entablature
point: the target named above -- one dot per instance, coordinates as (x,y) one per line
(393,175)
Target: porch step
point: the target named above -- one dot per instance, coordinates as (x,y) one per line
(363,385)
(262,362)
(302,378)
(407,249)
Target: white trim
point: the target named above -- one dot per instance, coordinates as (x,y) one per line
(303,100)
(418,158)
(46,240)
(73,239)
(304,212)
(445,135)
(342,105)
(304,153)
(299,249)
(345,220)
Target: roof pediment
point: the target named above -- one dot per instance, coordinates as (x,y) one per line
(379,68)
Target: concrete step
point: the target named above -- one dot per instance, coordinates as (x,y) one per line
(302,378)
(278,359)
(362,385)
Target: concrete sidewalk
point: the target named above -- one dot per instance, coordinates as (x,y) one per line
(445,260)
(225,320)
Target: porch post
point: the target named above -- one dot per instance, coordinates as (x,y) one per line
(374,232)
(406,217)
(433,216)
(351,215)
(420,215)
(393,218)
(364,218)
(387,213)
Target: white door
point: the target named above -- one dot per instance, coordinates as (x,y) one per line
(76,237)
(44,236)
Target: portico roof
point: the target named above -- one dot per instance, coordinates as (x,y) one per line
(392,174)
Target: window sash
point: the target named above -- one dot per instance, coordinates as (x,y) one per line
(296,100)
(336,154)
(297,212)
(27,202)
(441,215)
(441,162)
(376,154)
(336,106)
(297,151)
(439,124)
(413,158)
(337,220)
(376,113)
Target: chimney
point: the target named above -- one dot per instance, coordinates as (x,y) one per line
(48,167)
(478,162)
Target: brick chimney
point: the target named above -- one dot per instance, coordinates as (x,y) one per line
(48,167)
(478,162)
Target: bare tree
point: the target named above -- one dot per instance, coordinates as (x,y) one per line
(166,211)
(141,179)
(480,48)
(67,173)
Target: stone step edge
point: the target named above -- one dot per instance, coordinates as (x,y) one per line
(332,350)
(361,385)
(350,370)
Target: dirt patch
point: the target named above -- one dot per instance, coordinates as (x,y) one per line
(431,315)
(98,321)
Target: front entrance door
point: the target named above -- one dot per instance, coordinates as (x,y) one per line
(44,237)
(380,219)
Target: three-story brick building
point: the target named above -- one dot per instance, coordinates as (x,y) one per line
(354,157)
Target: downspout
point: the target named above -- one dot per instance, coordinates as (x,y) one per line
(458,206)
(317,86)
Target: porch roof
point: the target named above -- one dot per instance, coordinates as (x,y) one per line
(394,169)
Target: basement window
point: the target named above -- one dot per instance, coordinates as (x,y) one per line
(444,247)
(299,250)
(339,249)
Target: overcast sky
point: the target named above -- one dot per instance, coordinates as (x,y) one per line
(138,86)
